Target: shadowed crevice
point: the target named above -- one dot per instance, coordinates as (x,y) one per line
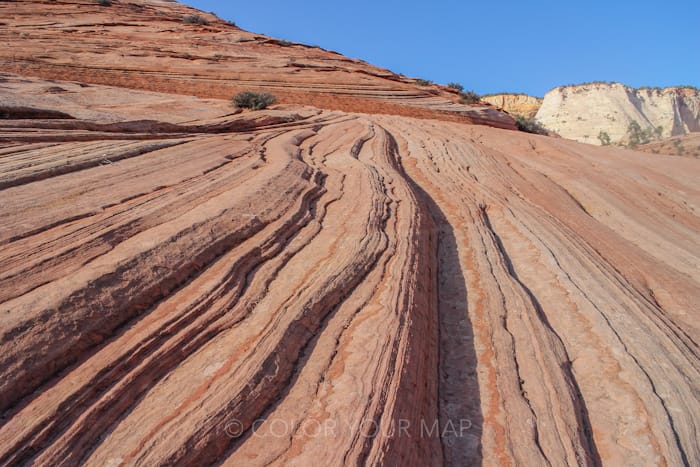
(460,415)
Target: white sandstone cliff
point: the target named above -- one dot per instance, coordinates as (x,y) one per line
(581,112)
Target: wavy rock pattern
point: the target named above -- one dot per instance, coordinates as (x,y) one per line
(185,284)
(147,46)
(322,285)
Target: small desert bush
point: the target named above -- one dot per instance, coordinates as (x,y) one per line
(423,82)
(456,86)
(530,125)
(468,97)
(104,2)
(254,100)
(195,19)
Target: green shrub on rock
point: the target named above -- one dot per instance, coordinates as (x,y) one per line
(254,100)
(530,125)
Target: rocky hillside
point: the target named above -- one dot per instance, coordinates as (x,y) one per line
(583,111)
(682,145)
(186,283)
(515,104)
(184,51)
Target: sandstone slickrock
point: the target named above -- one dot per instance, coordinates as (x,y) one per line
(149,46)
(183,283)
(582,111)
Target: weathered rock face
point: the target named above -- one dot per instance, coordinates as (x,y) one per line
(515,104)
(149,45)
(581,112)
(185,284)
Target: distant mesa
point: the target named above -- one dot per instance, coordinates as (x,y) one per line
(581,112)
(609,113)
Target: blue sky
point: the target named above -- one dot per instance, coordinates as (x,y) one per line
(494,46)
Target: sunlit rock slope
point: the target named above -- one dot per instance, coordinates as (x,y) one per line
(184,283)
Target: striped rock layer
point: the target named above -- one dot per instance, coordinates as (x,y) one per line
(185,283)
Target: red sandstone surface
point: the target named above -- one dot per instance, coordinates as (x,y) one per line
(330,281)
(147,45)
